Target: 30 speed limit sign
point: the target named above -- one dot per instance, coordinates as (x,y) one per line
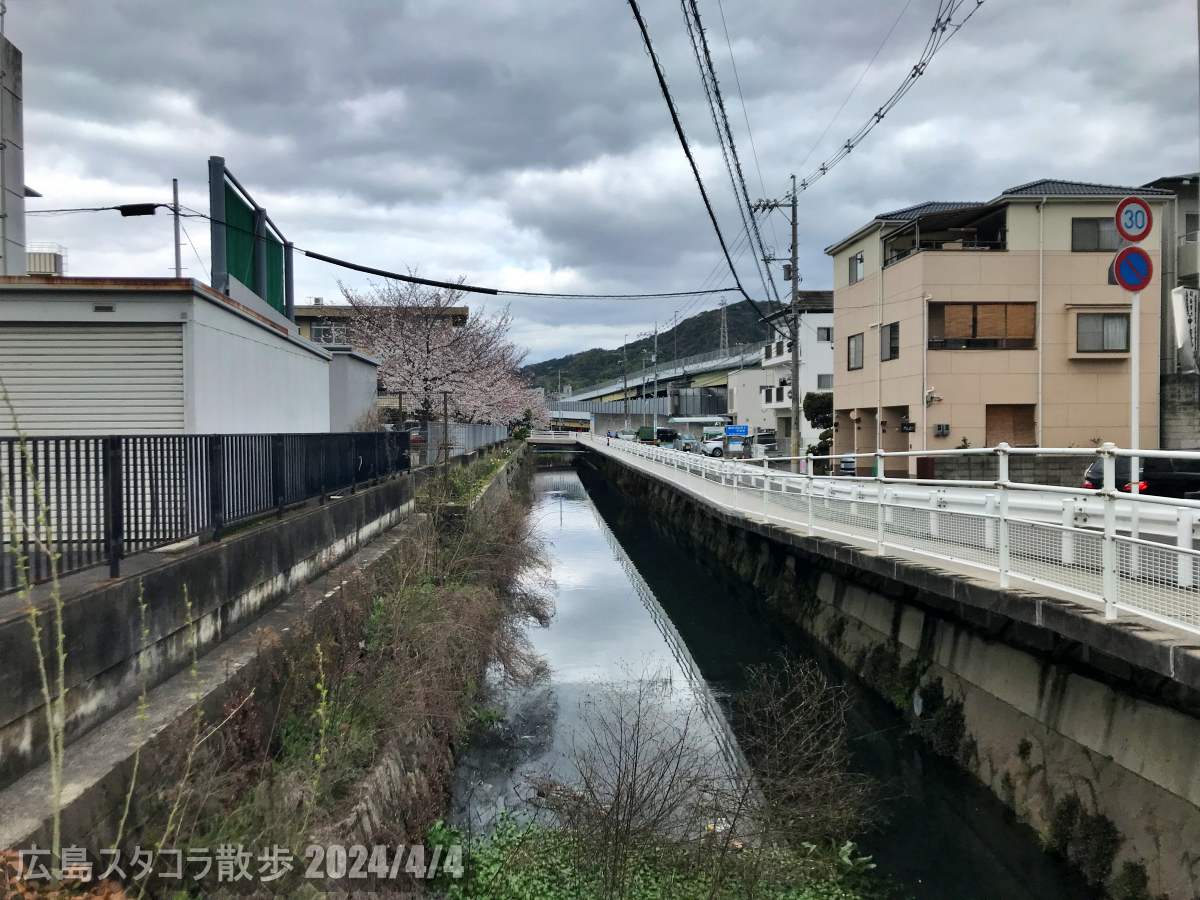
(1134,220)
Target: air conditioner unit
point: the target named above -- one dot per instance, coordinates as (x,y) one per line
(942,429)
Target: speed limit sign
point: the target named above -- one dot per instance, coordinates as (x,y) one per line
(1133,219)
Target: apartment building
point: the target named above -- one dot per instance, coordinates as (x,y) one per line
(971,323)
(325,323)
(816,367)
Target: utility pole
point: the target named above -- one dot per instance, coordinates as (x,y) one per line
(723,340)
(795,330)
(175,213)
(791,274)
(625,381)
(655,379)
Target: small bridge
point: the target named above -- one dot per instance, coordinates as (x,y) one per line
(566,440)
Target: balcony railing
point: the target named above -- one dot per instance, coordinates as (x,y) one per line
(894,255)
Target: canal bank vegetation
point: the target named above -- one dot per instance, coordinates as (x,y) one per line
(665,802)
(350,738)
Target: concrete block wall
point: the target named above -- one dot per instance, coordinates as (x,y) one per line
(1062,471)
(1180,403)
(227,584)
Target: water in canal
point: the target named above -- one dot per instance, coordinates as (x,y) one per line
(630,601)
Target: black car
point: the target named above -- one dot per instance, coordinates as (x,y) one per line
(1157,477)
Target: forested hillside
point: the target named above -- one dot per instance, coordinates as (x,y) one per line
(696,334)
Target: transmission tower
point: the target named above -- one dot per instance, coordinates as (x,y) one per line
(724,327)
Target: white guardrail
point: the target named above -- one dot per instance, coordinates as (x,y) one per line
(1121,551)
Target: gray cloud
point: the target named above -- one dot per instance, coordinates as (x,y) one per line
(526,144)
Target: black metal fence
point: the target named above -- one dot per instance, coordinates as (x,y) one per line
(67,503)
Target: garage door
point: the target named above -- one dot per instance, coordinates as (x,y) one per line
(87,379)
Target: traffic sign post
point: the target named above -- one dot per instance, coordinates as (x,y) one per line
(1134,271)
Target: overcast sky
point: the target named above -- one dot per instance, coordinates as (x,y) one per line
(525,144)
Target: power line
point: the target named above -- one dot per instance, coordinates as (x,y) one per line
(199,259)
(716,107)
(458,286)
(412,279)
(687,151)
(944,28)
(870,63)
(737,79)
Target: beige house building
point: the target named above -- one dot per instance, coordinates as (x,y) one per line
(968,324)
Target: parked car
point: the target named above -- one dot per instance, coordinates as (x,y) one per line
(686,442)
(764,443)
(666,436)
(714,443)
(1156,476)
(627,435)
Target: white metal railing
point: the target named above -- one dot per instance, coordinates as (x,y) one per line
(1121,551)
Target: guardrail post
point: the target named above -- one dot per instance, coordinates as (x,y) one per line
(879,531)
(1068,537)
(1184,564)
(1110,584)
(278,486)
(766,487)
(114,505)
(1002,534)
(216,484)
(808,465)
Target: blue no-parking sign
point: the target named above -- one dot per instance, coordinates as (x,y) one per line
(1133,269)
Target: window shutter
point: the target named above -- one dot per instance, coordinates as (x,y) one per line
(989,320)
(959,321)
(1022,320)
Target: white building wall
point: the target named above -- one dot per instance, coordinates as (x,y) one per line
(816,359)
(353,380)
(746,398)
(244,378)
(12,146)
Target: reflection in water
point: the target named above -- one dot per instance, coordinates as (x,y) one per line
(630,602)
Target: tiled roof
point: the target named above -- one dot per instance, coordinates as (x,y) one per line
(1055,188)
(927,208)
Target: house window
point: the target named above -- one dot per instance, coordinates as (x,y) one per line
(1089,235)
(854,351)
(1102,333)
(982,326)
(825,334)
(857,267)
(889,341)
(824,382)
(1191,224)
(328,332)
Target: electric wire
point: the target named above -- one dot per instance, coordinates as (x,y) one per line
(452,285)
(716,108)
(737,80)
(687,152)
(199,259)
(944,28)
(854,89)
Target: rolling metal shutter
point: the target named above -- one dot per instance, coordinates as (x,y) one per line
(93,379)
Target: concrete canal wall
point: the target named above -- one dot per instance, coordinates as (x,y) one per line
(277,576)
(1088,730)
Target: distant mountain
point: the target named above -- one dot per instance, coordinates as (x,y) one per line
(695,334)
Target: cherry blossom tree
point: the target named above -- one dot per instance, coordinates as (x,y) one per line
(411,329)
